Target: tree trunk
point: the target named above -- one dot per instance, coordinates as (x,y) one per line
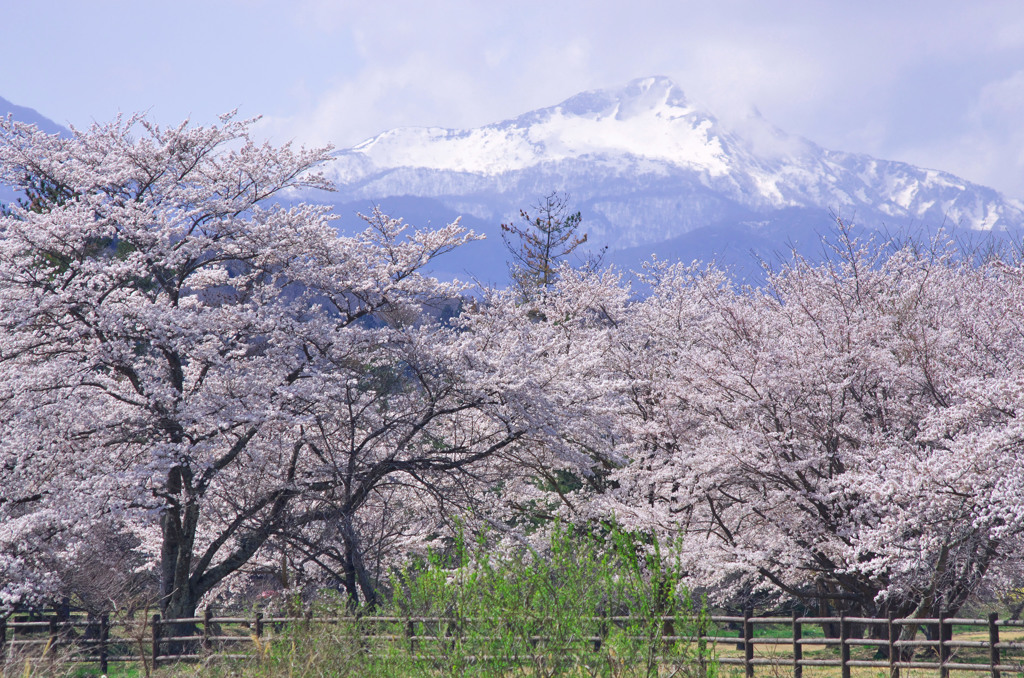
(829,630)
(178,597)
(176,554)
(356,573)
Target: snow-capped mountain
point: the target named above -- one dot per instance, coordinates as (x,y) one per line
(651,173)
(645,166)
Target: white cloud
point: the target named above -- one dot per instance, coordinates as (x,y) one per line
(1001,103)
(989,148)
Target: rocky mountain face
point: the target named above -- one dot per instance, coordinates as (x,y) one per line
(652,173)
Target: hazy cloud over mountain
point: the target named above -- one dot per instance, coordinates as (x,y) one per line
(938,84)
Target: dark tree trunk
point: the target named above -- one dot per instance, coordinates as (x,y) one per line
(178,597)
(357,578)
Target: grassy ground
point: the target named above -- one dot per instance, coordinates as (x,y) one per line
(331,650)
(784,655)
(502,608)
(324,652)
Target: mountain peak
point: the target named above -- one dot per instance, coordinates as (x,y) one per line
(638,95)
(648,118)
(612,146)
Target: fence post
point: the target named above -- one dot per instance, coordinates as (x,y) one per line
(3,639)
(156,639)
(207,616)
(61,626)
(993,643)
(457,641)
(798,649)
(702,643)
(104,642)
(844,646)
(894,650)
(945,635)
(748,643)
(52,645)
(602,631)
(410,633)
(258,626)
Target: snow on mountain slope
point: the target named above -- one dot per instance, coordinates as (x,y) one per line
(650,120)
(645,165)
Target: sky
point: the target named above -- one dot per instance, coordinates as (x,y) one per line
(939,84)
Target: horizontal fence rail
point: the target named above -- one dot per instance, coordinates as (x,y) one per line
(942,644)
(893,644)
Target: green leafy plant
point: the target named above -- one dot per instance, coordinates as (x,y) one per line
(595,604)
(590,604)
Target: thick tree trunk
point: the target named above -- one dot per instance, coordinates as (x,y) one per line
(180,607)
(178,597)
(356,572)
(179,534)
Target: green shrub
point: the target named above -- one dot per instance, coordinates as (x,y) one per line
(593,605)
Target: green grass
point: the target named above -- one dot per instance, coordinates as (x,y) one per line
(494,612)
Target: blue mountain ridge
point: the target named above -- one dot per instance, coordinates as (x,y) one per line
(31,116)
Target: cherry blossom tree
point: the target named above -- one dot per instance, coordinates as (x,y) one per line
(214,383)
(551,351)
(848,433)
(182,357)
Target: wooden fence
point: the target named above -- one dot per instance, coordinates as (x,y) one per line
(944,644)
(893,648)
